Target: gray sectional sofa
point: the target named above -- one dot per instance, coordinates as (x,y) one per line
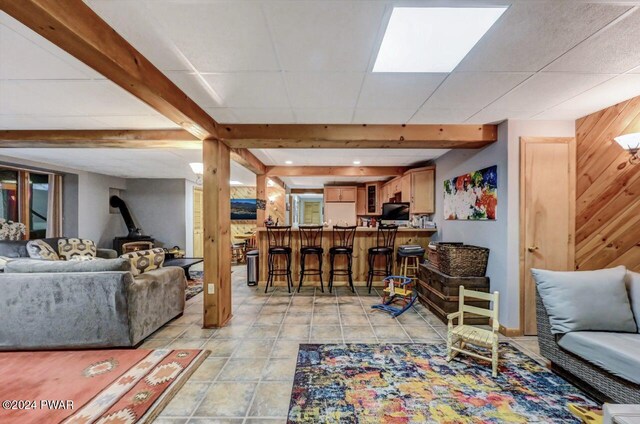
(84,304)
(592,335)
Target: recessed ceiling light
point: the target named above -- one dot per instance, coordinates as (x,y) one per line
(356,162)
(288,162)
(234,182)
(432,39)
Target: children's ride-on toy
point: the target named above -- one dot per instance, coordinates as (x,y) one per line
(398,291)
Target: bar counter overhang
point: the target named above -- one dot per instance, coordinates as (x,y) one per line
(365,238)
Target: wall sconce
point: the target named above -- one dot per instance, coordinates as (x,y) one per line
(198,169)
(631,143)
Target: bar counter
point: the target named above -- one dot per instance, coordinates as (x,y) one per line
(365,238)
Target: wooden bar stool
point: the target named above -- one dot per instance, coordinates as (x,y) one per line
(279,246)
(342,244)
(310,244)
(410,257)
(385,245)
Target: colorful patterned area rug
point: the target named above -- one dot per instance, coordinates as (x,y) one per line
(107,386)
(194,284)
(413,383)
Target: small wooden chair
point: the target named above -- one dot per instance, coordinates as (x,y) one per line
(463,334)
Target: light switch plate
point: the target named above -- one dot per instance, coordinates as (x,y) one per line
(211,288)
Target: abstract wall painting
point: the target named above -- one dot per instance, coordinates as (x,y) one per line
(472,196)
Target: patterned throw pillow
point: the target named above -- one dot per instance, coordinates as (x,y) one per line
(39,249)
(69,248)
(145,260)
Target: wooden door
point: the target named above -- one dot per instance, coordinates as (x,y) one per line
(361,201)
(198,229)
(311,213)
(348,194)
(423,191)
(547,215)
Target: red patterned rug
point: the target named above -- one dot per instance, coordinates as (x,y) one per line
(110,386)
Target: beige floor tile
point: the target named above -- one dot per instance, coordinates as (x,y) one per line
(222,347)
(269,318)
(186,400)
(326,319)
(282,369)
(226,399)
(351,320)
(242,369)
(298,318)
(323,308)
(262,332)
(421,331)
(411,317)
(390,334)
(271,400)
(329,332)
(382,318)
(208,370)
(285,349)
(294,332)
(169,332)
(232,332)
(161,420)
(325,299)
(357,332)
(186,344)
(197,332)
(254,348)
(215,421)
(281,420)
(274,309)
(301,300)
(349,309)
(155,344)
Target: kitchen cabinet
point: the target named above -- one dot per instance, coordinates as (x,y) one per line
(374,205)
(361,201)
(340,194)
(422,199)
(406,188)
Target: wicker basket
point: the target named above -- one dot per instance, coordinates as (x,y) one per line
(459,260)
(432,253)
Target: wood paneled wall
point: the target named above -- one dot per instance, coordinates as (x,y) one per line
(608,190)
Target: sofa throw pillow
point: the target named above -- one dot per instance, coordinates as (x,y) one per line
(586,300)
(145,260)
(633,289)
(3,262)
(20,266)
(40,249)
(71,247)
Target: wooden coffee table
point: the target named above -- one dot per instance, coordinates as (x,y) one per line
(184,263)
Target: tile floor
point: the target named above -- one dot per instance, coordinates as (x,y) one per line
(249,374)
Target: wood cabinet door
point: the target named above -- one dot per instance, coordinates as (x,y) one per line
(332,194)
(348,194)
(423,191)
(361,201)
(406,188)
(547,215)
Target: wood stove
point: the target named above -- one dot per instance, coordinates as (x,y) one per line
(134,232)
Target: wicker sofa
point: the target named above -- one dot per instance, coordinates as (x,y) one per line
(596,381)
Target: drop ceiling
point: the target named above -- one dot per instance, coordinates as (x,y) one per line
(310,62)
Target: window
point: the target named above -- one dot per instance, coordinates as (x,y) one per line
(33,198)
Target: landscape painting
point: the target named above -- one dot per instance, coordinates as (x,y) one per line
(472,196)
(244,209)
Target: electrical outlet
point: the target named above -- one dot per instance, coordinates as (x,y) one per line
(211,288)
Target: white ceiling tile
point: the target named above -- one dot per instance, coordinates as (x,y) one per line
(382,116)
(252,90)
(487,116)
(547,89)
(219,36)
(133,20)
(264,115)
(397,90)
(323,90)
(222,115)
(613,91)
(30,61)
(473,90)
(17,122)
(323,116)
(134,122)
(324,35)
(441,116)
(614,50)
(531,34)
(556,114)
(196,87)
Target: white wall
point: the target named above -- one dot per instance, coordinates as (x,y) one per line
(188,208)
(158,208)
(501,235)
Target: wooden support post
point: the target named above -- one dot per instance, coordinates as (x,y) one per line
(217,237)
(261,193)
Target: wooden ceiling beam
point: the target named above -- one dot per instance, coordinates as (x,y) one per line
(78,30)
(247,159)
(302,136)
(335,171)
